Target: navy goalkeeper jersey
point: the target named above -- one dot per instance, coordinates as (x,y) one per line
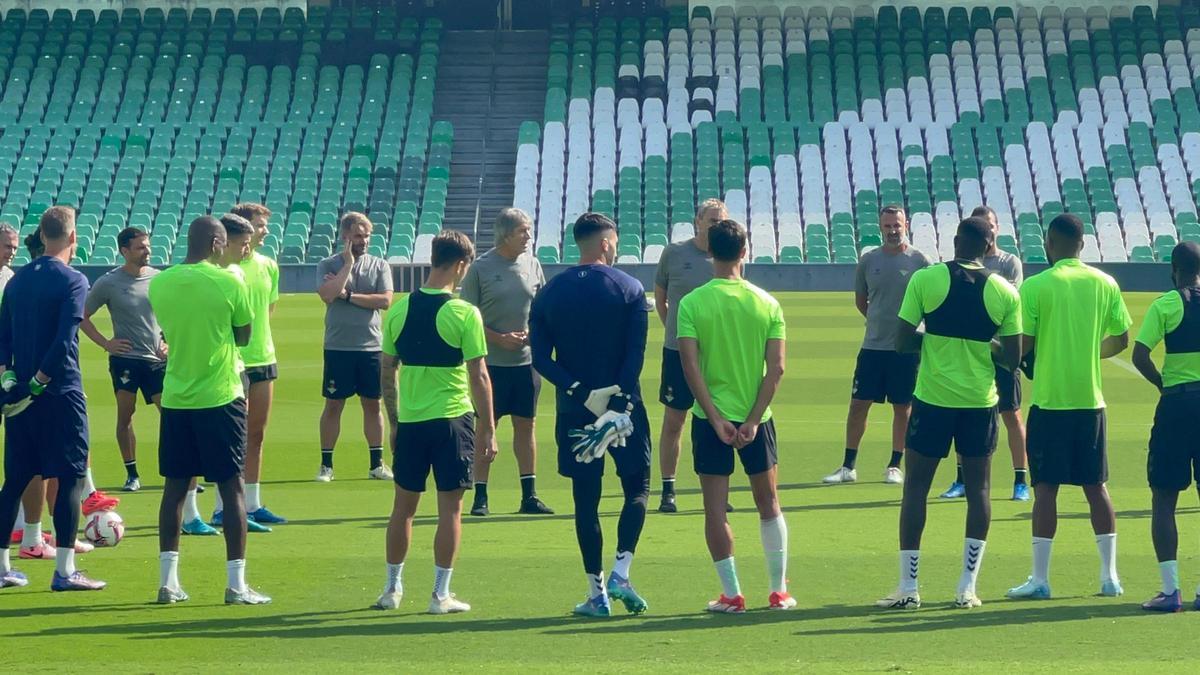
(39,323)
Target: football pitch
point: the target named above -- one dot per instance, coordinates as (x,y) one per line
(522,574)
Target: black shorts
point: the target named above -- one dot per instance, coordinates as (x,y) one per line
(351,374)
(267,373)
(49,439)
(1174,457)
(447,446)
(134,375)
(712,457)
(885,376)
(1008,386)
(673,390)
(932,428)
(631,459)
(209,442)
(515,391)
(1067,447)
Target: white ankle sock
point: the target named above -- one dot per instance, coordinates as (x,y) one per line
(89,486)
(191,509)
(31,535)
(218,503)
(253,501)
(910,562)
(1169,569)
(64,560)
(1107,545)
(972,561)
(622,563)
(1041,559)
(235,573)
(774,541)
(727,572)
(168,570)
(5,561)
(441,582)
(596,585)
(395,583)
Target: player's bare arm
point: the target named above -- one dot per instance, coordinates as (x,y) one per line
(689,352)
(775,357)
(241,335)
(115,346)
(1145,365)
(1113,345)
(390,374)
(908,338)
(860,301)
(660,303)
(481,396)
(333,286)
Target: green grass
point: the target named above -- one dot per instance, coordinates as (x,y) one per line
(523,575)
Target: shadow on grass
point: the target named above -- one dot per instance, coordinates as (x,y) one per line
(369,623)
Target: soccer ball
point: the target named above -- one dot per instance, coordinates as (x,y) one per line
(104,528)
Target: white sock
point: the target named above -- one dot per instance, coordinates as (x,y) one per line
(168,570)
(972,561)
(1169,569)
(32,535)
(727,572)
(235,573)
(774,535)
(1041,559)
(394,582)
(191,509)
(1107,545)
(441,582)
(596,585)
(20,519)
(253,502)
(64,560)
(218,503)
(910,562)
(89,486)
(5,563)
(622,563)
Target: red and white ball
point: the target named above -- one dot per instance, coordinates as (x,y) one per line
(104,528)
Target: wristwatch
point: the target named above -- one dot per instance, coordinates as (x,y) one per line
(349,294)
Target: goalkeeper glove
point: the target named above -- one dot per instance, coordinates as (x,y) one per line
(592,441)
(18,396)
(595,400)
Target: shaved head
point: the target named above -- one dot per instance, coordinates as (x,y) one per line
(206,238)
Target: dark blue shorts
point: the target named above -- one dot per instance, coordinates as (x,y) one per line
(49,439)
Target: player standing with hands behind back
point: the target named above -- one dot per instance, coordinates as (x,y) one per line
(356,288)
(732,342)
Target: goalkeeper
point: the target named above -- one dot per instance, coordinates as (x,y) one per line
(731,341)
(588,337)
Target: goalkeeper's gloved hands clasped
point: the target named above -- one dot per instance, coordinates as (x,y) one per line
(592,441)
(595,400)
(18,395)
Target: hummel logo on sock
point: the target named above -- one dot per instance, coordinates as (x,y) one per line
(972,557)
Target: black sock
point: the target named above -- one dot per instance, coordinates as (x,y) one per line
(1021,476)
(131,469)
(481,493)
(958,474)
(850,458)
(668,487)
(376,456)
(327,457)
(894,462)
(527,490)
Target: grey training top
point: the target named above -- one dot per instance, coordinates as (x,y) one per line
(682,269)
(883,277)
(128,301)
(503,289)
(348,327)
(6,273)
(1006,265)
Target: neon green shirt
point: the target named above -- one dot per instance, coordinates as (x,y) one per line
(1069,309)
(430,393)
(731,319)
(197,306)
(956,372)
(262,282)
(1164,315)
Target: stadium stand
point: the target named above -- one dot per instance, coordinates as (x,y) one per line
(151,119)
(806,120)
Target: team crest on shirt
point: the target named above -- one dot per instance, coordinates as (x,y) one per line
(582,274)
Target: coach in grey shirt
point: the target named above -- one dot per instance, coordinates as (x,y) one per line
(8,250)
(882,373)
(502,283)
(136,354)
(683,267)
(355,287)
